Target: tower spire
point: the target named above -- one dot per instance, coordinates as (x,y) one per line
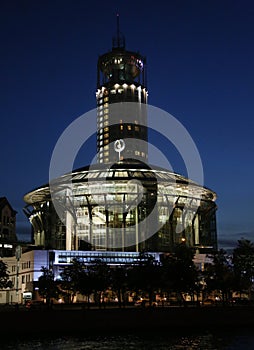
(118,41)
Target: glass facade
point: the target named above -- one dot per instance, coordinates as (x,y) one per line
(107,210)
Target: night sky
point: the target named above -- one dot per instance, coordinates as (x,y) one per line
(200,63)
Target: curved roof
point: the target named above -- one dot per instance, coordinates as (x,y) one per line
(122,171)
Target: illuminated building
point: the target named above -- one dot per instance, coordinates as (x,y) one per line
(121,77)
(100,214)
(8,238)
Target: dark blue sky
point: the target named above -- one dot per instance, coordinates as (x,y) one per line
(200,57)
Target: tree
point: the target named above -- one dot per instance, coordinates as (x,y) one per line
(47,285)
(180,274)
(99,276)
(219,274)
(119,282)
(4,276)
(145,277)
(243,263)
(71,278)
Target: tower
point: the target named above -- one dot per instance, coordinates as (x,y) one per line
(121,77)
(128,206)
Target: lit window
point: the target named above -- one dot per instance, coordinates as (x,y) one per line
(106,135)
(106,147)
(106,153)
(105,99)
(106,142)
(106,116)
(106,111)
(106,160)
(113,91)
(106,123)
(121,127)
(106,129)
(136,128)
(129,127)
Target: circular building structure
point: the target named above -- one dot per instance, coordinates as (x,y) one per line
(125,206)
(122,204)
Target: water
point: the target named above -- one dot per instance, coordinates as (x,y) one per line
(205,341)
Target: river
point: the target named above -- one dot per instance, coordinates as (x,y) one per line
(205,341)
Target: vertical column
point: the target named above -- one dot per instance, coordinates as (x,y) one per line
(68,223)
(196,230)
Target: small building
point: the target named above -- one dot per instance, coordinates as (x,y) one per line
(8,238)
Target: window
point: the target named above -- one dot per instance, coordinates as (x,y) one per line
(129,127)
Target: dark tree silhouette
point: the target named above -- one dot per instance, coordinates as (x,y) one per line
(243,263)
(47,285)
(180,274)
(71,278)
(219,275)
(145,277)
(119,283)
(4,276)
(99,274)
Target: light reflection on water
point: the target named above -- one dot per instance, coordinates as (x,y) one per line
(207,341)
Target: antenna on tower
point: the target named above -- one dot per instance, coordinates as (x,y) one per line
(119,40)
